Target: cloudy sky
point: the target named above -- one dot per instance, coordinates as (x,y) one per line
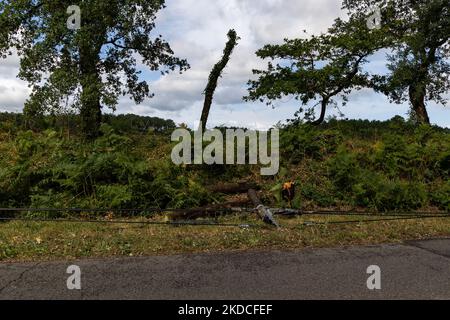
(196,30)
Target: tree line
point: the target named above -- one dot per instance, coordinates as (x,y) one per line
(122,123)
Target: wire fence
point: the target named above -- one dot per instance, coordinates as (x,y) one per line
(279,211)
(366,216)
(172,223)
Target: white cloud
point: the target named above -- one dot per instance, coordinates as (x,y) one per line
(13,91)
(196,30)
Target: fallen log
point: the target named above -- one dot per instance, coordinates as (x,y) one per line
(207,211)
(263,211)
(232,188)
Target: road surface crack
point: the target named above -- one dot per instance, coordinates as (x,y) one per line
(415,245)
(19,277)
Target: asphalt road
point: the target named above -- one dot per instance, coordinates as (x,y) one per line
(413,270)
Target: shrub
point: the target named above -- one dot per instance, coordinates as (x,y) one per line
(298,142)
(440,195)
(343,170)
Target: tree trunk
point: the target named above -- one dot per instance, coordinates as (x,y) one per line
(417,95)
(214,77)
(90,81)
(323,112)
(233,188)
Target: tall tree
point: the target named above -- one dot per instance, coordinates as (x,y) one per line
(319,68)
(418,63)
(88,67)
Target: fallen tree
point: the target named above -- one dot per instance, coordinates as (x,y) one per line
(232,188)
(211,211)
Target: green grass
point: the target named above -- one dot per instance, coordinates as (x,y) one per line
(36,241)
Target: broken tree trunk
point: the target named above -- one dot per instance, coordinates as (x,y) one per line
(207,212)
(233,188)
(215,75)
(263,211)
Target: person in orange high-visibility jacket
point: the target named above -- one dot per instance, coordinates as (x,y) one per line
(288,192)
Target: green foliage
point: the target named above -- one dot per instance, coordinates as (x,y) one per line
(319,192)
(300,142)
(371,189)
(440,195)
(88,68)
(395,172)
(121,123)
(416,36)
(390,165)
(376,192)
(50,171)
(131,123)
(319,68)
